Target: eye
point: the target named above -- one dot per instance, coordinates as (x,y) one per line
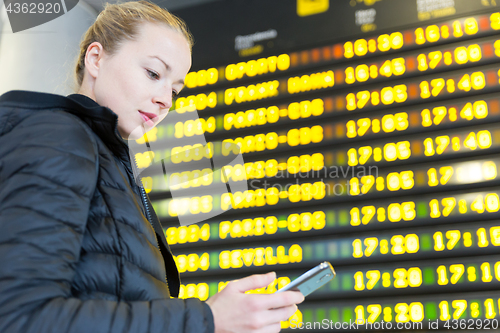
(174,94)
(153,75)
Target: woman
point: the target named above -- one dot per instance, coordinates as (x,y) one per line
(81,249)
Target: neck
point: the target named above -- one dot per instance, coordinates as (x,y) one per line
(86,89)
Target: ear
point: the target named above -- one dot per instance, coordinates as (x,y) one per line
(93,59)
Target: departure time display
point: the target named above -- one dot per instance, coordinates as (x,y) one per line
(374,150)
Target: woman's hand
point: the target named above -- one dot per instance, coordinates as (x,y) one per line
(237,312)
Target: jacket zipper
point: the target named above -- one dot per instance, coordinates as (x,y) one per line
(146,207)
(148,215)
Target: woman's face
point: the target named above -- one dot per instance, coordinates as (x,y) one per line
(140,79)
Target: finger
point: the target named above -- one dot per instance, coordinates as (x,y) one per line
(254,282)
(273,328)
(297,295)
(273,301)
(284,313)
(275,316)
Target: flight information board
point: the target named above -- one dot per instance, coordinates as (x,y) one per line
(370,133)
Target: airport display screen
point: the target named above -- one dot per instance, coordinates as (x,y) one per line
(370,133)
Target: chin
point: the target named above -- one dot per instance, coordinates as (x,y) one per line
(137,133)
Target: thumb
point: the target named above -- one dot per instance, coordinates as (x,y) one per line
(254,282)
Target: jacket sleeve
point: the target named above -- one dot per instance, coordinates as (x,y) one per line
(48,174)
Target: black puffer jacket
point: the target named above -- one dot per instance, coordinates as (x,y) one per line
(78,252)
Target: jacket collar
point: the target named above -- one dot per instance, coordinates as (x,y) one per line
(102,120)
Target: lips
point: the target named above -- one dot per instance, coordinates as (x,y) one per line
(151,116)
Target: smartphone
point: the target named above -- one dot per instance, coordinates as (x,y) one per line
(312,279)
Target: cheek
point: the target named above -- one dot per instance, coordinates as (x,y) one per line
(116,89)
(107,87)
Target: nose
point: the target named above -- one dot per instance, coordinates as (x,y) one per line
(164,100)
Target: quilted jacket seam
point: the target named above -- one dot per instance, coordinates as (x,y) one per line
(55,182)
(94,216)
(100,292)
(20,106)
(36,247)
(9,115)
(137,230)
(133,263)
(59,150)
(50,217)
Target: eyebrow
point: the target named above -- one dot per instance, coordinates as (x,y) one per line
(181,81)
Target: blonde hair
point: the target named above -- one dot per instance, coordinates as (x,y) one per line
(121,21)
